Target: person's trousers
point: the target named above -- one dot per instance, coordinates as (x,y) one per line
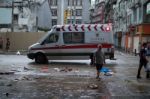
(140,67)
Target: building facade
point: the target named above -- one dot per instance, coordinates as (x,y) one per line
(131,24)
(24,15)
(97,12)
(70,11)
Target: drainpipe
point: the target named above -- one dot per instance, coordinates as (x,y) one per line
(62,12)
(142,30)
(12,26)
(74,17)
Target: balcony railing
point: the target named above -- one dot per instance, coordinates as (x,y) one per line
(113,1)
(132,5)
(137,3)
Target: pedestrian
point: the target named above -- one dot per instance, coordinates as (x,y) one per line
(1,43)
(7,44)
(99,59)
(143,60)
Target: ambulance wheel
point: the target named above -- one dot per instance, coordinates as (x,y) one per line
(41,58)
(92,59)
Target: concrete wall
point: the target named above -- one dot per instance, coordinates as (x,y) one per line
(20,41)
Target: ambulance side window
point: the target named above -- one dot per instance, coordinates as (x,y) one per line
(53,38)
(73,37)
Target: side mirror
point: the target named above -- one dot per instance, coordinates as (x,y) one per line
(43,42)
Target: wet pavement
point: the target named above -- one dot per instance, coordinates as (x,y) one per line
(21,78)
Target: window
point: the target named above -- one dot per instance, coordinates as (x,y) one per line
(73,37)
(54,12)
(53,38)
(78,12)
(68,2)
(16,17)
(73,12)
(54,22)
(71,2)
(78,21)
(79,2)
(70,21)
(53,2)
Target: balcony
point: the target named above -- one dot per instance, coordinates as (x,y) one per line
(120,15)
(132,5)
(137,3)
(114,2)
(145,1)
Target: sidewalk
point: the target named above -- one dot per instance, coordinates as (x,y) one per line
(13,52)
(121,51)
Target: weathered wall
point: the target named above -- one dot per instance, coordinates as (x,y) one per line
(20,41)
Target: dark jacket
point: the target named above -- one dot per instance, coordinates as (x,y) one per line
(99,57)
(142,55)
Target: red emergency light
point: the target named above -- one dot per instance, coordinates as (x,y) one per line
(107,29)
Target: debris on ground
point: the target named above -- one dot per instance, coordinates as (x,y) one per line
(25,68)
(57,69)
(45,69)
(106,71)
(6,73)
(15,71)
(26,78)
(108,74)
(93,86)
(76,71)
(7,94)
(18,53)
(66,69)
(9,85)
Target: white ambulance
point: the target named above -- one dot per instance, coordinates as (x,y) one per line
(73,42)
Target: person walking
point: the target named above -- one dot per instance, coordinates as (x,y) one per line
(143,60)
(7,44)
(99,60)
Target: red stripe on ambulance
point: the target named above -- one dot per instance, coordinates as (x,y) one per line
(75,47)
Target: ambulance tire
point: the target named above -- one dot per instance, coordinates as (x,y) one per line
(40,58)
(92,59)
(111,56)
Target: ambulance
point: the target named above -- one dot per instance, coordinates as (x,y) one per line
(73,42)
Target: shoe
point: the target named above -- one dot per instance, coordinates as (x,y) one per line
(97,77)
(139,77)
(148,75)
